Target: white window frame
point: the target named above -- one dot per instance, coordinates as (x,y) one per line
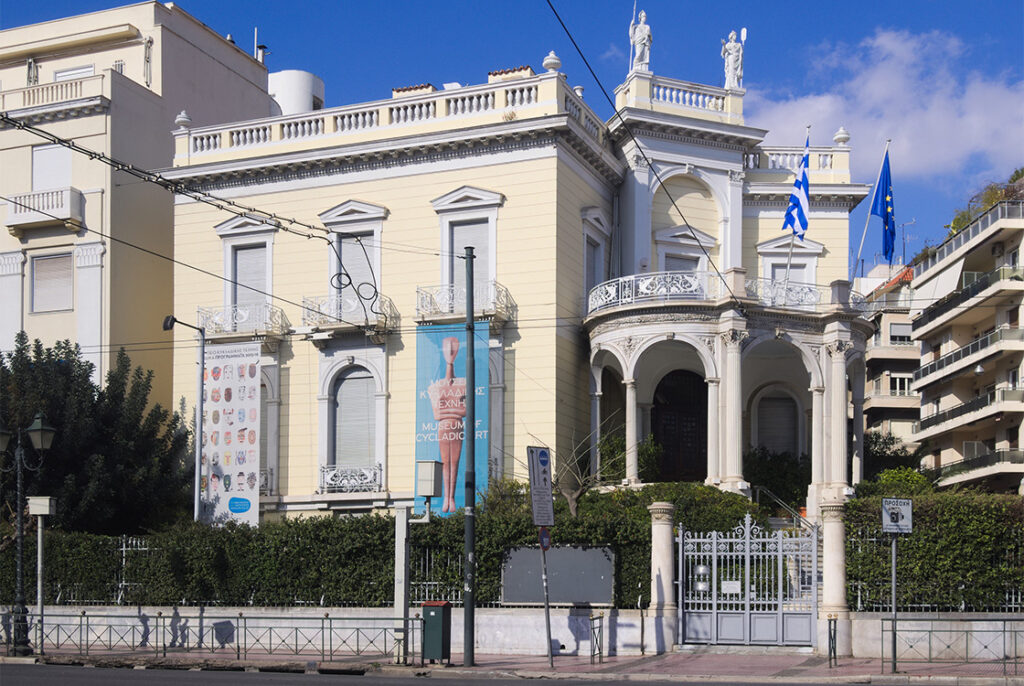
(32,283)
(356,218)
(686,242)
(468,204)
(73,73)
(242,232)
(903,383)
(597,229)
(775,253)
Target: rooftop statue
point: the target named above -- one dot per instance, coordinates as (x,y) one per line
(640,38)
(732,53)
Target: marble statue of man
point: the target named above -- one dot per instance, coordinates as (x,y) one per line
(732,53)
(640,37)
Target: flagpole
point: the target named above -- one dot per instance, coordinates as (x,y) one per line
(867,220)
(792,238)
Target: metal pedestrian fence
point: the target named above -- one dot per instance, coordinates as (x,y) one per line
(981,646)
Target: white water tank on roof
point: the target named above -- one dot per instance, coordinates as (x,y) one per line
(295,91)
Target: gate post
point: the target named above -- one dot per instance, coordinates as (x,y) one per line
(663,605)
(833,592)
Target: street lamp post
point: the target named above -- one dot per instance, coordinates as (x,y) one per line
(169,322)
(41,436)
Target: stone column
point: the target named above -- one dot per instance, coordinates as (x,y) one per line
(833,568)
(595,433)
(818,475)
(644,425)
(89,304)
(858,436)
(714,473)
(837,395)
(632,463)
(663,597)
(733,477)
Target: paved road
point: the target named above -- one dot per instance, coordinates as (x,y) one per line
(40,675)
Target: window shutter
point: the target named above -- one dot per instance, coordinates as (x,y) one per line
(678,263)
(354,430)
(777,425)
(52,284)
(355,259)
(51,167)
(251,271)
(474,234)
(900,330)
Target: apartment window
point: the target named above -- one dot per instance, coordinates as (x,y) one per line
(899,334)
(1013,379)
(51,167)
(592,265)
(803,259)
(900,385)
(353,425)
(877,340)
(1013,257)
(74,73)
(52,283)
(1012,316)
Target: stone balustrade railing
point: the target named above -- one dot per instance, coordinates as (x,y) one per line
(539,95)
(686,94)
(45,207)
(787,159)
(51,93)
(334,479)
(348,308)
(262,318)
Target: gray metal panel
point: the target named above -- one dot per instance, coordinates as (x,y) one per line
(797,628)
(575,576)
(764,628)
(698,627)
(732,627)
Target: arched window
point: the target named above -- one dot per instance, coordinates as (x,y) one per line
(353,426)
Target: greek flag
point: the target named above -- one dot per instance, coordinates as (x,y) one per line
(796,213)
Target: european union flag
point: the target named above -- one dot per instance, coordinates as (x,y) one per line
(881,206)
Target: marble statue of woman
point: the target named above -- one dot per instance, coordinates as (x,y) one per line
(640,37)
(732,53)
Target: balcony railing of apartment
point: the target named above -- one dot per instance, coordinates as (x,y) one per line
(45,207)
(348,308)
(968,350)
(898,300)
(334,479)
(1007,209)
(981,402)
(261,318)
(972,463)
(936,310)
(51,93)
(490,298)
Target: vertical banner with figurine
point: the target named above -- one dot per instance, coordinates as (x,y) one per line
(229,482)
(441,407)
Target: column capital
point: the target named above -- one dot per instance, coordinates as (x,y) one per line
(712,380)
(11,263)
(661,512)
(629,382)
(734,337)
(818,390)
(839,348)
(832,510)
(89,254)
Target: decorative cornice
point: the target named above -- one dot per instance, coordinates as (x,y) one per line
(661,512)
(69,109)
(737,176)
(11,263)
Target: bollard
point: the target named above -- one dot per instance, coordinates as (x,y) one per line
(833,659)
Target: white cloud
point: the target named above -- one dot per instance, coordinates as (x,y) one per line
(918,89)
(614,52)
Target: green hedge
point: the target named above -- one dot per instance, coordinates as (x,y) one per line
(966,552)
(350,560)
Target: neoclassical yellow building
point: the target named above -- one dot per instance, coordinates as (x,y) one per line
(630,272)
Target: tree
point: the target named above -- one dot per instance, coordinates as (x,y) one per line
(985,198)
(116,465)
(884,451)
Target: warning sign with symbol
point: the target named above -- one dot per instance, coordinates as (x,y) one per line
(897,515)
(539,460)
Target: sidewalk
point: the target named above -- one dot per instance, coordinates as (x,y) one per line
(702,665)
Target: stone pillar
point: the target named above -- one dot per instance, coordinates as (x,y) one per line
(733,477)
(858,435)
(818,476)
(632,463)
(663,597)
(89,304)
(714,458)
(833,567)
(837,396)
(644,425)
(595,433)
(12,297)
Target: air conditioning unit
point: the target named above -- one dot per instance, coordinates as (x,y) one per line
(997,249)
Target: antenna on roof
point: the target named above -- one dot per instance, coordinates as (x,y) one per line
(255,41)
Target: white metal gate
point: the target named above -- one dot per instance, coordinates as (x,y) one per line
(748,586)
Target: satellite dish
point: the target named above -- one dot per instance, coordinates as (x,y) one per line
(743,35)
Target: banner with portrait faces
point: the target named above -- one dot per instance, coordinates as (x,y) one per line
(229,481)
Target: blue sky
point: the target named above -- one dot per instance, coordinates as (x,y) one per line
(944,80)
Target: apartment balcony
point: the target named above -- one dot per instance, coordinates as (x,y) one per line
(1002,469)
(55,207)
(968,355)
(969,297)
(992,405)
(335,479)
(708,287)
(893,350)
(263,322)
(1010,209)
(49,97)
(447,302)
(328,315)
(878,399)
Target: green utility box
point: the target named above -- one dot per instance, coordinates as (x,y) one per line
(437,630)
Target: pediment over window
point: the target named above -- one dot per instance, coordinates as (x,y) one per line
(597,218)
(806,247)
(685,235)
(240,226)
(467,198)
(353,212)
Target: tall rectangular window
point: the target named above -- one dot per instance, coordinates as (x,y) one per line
(51,167)
(52,283)
(899,385)
(473,234)
(592,265)
(355,261)
(250,276)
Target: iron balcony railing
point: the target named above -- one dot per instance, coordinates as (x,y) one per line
(656,286)
(797,296)
(262,318)
(348,308)
(936,310)
(489,298)
(1009,209)
(968,350)
(972,463)
(900,300)
(981,402)
(334,479)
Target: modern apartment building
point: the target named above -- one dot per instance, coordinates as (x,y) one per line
(967,298)
(630,273)
(113,82)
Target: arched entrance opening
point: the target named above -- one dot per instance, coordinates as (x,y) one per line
(679,422)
